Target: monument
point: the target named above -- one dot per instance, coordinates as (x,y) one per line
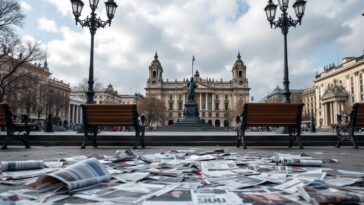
(190,120)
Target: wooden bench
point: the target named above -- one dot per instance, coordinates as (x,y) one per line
(348,123)
(97,115)
(14,129)
(271,115)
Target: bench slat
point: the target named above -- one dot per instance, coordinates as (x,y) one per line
(110,115)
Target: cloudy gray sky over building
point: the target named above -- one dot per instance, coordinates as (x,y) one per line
(214,31)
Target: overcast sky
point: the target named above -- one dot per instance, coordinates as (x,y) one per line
(214,31)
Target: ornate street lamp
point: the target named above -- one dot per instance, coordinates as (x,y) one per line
(285,22)
(93,23)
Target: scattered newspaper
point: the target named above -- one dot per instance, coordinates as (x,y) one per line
(81,174)
(74,159)
(300,162)
(218,165)
(129,193)
(21,165)
(182,177)
(22,174)
(318,192)
(211,196)
(173,197)
(272,198)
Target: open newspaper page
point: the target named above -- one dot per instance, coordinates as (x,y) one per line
(125,193)
(173,197)
(318,192)
(265,198)
(78,175)
(212,196)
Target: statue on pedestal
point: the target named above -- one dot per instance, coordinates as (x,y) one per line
(191,87)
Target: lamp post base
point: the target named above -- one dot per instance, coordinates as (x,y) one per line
(49,125)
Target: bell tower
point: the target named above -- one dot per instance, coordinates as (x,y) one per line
(155,72)
(239,72)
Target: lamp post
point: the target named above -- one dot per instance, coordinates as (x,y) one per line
(93,23)
(285,22)
(49,125)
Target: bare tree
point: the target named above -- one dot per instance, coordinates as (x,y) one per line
(15,54)
(153,109)
(40,101)
(10,16)
(236,111)
(27,95)
(83,87)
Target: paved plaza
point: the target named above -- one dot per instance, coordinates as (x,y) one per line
(346,158)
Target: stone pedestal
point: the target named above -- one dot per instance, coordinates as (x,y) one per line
(190,121)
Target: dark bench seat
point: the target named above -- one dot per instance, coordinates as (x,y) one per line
(271,115)
(20,130)
(98,115)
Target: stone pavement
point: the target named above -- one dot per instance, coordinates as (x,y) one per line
(348,158)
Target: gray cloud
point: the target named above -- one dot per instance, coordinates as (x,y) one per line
(212,30)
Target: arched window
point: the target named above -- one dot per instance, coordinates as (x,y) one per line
(240,74)
(217,123)
(226,123)
(154,74)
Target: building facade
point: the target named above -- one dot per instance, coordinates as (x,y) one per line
(109,96)
(217,99)
(33,91)
(337,88)
(59,98)
(75,111)
(276,96)
(309,99)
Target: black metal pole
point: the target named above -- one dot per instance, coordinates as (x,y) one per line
(90,91)
(286,93)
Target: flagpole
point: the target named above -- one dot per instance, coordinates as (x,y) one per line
(193,60)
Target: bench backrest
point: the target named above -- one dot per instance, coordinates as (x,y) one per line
(272,114)
(110,115)
(358,111)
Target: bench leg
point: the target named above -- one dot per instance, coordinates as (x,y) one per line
(24,140)
(290,137)
(94,137)
(5,144)
(299,141)
(243,139)
(85,136)
(9,135)
(338,137)
(238,137)
(136,138)
(141,136)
